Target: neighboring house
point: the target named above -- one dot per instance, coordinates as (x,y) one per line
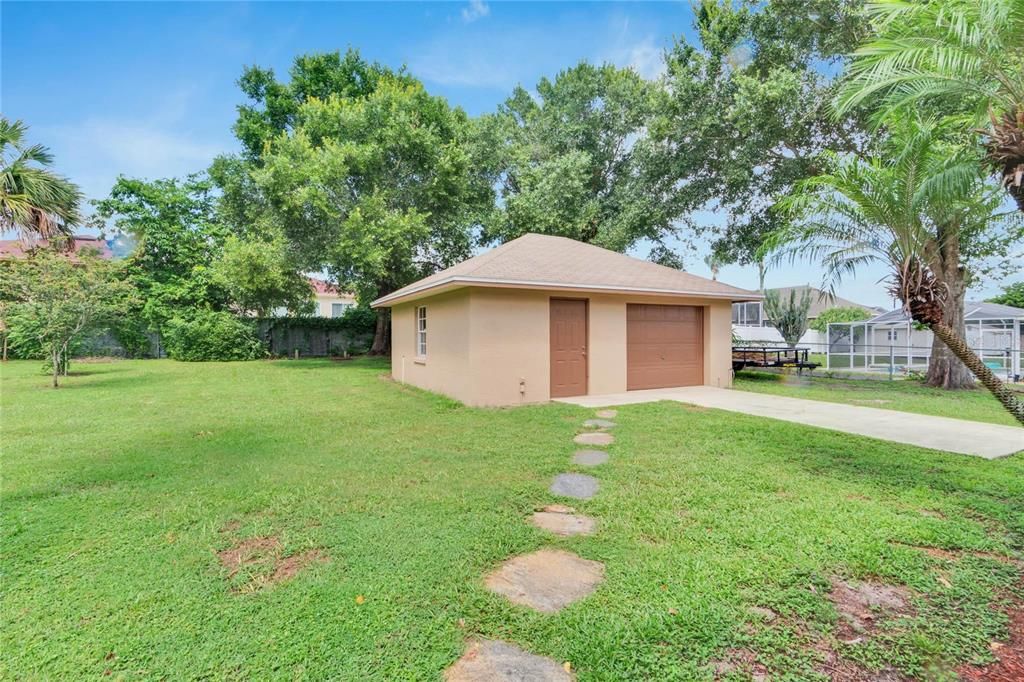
(330,302)
(752,325)
(993,331)
(544,317)
(752,314)
(17,248)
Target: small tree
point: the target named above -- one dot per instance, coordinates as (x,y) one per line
(58,298)
(788,316)
(838,314)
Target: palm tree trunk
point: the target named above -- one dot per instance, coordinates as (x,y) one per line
(986,376)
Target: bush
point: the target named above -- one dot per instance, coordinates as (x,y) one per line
(208,335)
(131,333)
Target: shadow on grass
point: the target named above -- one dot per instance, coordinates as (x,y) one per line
(361,362)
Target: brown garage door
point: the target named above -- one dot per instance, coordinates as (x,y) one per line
(664,346)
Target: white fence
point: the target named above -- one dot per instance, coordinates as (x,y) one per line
(902,349)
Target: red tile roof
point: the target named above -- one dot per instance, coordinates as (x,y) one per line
(323,288)
(16,248)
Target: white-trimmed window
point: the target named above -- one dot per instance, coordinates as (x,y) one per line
(338,309)
(421,331)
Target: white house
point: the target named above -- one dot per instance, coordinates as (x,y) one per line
(330,302)
(994,332)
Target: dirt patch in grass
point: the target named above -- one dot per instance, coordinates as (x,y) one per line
(249,553)
(288,567)
(839,669)
(231,526)
(861,604)
(260,558)
(1009,664)
(739,661)
(956,554)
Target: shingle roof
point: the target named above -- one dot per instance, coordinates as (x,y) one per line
(821,300)
(543,261)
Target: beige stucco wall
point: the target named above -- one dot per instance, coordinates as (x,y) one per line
(445,369)
(490,346)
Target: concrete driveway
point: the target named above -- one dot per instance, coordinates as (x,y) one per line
(939,433)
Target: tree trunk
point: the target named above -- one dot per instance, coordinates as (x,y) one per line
(959,347)
(55,357)
(5,347)
(944,369)
(382,333)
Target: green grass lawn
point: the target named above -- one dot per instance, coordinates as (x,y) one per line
(121,488)
(902,395)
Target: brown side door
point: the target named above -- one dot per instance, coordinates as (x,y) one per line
(568,347)
(664,346)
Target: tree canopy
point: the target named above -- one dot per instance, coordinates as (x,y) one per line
(748,112)
(177,238)
(378,190)
(575,160)
(274,107)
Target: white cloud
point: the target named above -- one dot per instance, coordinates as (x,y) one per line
(94,152)
(477,9)
(644,57)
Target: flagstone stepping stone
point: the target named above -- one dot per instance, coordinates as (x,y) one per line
(580,486)
(594,438)
(590,458)
(558,509)
(489,659)
(562,523)
(547,580)
(607,414)
(599,423)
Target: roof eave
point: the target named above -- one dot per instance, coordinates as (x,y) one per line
(458,281)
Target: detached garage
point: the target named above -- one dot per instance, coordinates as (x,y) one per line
(547,317)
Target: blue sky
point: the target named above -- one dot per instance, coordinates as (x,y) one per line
(148,88)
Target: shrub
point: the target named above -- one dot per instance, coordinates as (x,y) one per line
(207,335)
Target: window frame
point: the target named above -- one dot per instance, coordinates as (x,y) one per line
(421,331)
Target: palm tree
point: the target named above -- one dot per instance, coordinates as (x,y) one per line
(33,200)
(714,263)
(965,57)
(907,208)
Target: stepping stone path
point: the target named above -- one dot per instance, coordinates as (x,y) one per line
(561,520)
(579,486)
(594,438)
(547,580)
(590,458)
(489,659)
